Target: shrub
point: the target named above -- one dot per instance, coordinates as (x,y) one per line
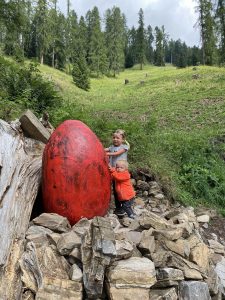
(23,87)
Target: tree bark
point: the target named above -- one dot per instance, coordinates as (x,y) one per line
(20,175)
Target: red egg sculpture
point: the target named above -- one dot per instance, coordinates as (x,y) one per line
(75,179)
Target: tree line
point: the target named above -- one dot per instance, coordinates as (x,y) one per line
(91,45)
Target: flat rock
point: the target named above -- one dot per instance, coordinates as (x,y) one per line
(33,128)
(194,290)
(67,242)
(163,294)
(203,219)
(53,221)
(132,272)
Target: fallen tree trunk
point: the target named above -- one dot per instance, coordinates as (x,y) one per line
(20,174)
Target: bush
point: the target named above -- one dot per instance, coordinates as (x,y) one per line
(23,87)
(203,176)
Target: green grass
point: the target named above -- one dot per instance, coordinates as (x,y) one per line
(173,123)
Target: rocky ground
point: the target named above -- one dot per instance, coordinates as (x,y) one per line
(168,252)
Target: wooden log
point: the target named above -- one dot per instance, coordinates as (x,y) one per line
(20,174)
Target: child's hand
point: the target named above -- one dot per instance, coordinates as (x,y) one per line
(110,168)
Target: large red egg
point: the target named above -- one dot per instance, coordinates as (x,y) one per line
(76,179)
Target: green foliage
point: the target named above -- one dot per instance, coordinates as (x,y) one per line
(203,176)
(80,73)
(23,87)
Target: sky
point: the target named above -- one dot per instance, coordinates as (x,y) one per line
(178,16)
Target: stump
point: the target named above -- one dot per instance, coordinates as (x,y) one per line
(20,174)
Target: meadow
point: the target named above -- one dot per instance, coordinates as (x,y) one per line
(174,119)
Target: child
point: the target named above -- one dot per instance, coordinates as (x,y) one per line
(119,148)
(123,185)
(117,151)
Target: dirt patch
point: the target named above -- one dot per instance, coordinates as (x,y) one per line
(210,102)
(216,226)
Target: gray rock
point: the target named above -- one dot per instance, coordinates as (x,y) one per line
(142,185)
(52,221)
(132,272)
(124,249)
(169,274)
(97,250)
(75,273)
(67,242)
(82,226)
(163,294)
(194,290)
(133,236)
(220,271)
(33,128)
(75,255)
(203,219)
(147,243)
(216,247)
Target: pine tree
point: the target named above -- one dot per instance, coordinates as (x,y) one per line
(220,17)
(159,50)
(57,50)
(114,35)
(42,24)
(207,26)
(96,55)
(149,44)
(80,72)
(131,51)
(180,54)
(141,39)
(13,26)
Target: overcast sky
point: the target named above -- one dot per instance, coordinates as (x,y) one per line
(178,16)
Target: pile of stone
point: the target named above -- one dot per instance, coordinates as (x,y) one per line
(162,254)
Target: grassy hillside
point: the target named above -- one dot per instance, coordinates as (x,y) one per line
(174,119)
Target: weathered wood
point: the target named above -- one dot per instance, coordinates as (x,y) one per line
(20,174)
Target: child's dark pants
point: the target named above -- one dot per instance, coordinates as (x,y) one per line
(126,206)
(117,202)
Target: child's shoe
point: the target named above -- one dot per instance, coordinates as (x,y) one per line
(133,216)
(119,212)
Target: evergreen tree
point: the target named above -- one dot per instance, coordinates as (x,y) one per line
(149,44)
(71,36)
(206,24)
(141,39)
(159,50)
(42,24)
(13,21)
(80,72)
(169,51)
(82,41)
(114,35)
(220,17)
(96,56)
(180,54)
(56,55)
(195,56)
(131,51)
